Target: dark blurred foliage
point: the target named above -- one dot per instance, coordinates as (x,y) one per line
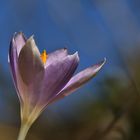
(107,108)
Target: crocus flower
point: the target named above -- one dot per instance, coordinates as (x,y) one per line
(41,79)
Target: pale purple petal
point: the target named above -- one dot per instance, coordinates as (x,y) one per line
(81,78)
(56,77)
(56,55)
(29,62)
(19,40)
(78,80)
(12,59)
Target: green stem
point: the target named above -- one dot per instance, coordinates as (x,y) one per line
(23,131)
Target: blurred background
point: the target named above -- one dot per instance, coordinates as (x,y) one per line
(108,107)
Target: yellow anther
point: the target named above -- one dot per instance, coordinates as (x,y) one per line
(44,57)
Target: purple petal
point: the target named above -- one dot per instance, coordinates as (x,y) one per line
(57,75)
(81,78)
(56,55)
(19,40)
(78,80)
(30,63)
(13,60)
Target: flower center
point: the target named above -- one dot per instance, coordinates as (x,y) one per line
(44,57)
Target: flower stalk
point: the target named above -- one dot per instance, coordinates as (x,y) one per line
(25,126)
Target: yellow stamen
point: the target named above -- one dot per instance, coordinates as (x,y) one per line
(44,57)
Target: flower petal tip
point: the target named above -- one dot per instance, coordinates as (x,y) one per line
(103,62)
(31,38)
(18,34)
(76,55)
(99,65)
(30,41)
